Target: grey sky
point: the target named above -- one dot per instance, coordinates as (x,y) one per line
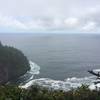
(50,15)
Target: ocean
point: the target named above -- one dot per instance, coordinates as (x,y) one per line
(59,57)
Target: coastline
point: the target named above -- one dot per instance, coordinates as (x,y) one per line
(65,85)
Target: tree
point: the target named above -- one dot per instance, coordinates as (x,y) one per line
(13,63)
(0,43)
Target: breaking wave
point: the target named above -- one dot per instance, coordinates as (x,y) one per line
(29,75)
(65,85)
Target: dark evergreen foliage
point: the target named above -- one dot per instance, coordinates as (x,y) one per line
(13,63)
(40,93)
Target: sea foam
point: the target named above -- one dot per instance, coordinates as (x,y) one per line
(64,85)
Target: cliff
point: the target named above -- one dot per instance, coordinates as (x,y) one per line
(13,63)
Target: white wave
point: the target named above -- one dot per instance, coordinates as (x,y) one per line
(29,75)
(94,86)
(65,85)
(34,68)
(96,70)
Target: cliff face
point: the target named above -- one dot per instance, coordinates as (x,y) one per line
(3,74)
(13,63)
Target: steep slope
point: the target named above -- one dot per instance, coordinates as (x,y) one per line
(13,63)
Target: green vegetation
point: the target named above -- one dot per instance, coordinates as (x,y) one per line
(13,63)
(40,93)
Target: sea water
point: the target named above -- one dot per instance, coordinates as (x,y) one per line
(58,60)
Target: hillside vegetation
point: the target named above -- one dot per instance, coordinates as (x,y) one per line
(13,63)
(39,93)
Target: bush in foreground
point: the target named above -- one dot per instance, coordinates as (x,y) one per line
(40,93)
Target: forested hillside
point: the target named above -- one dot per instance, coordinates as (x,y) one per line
(13,63)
